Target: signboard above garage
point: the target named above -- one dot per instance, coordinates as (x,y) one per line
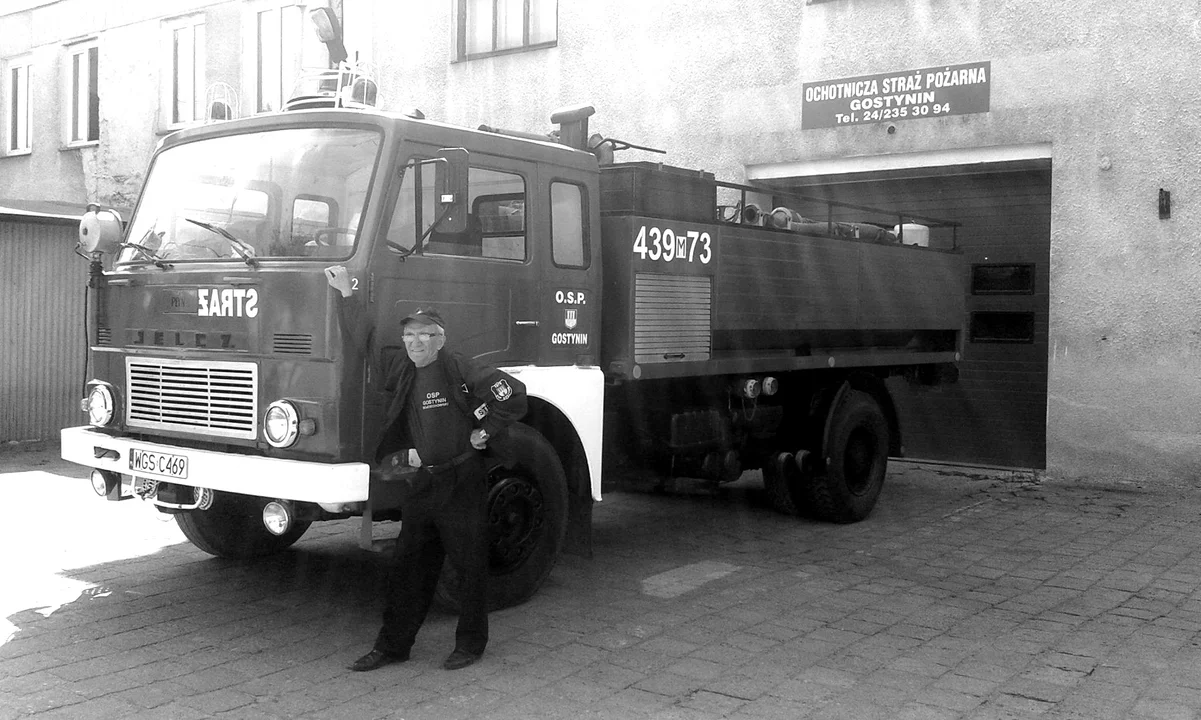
(904,95)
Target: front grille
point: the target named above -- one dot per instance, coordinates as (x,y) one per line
(293,344)
(210,398)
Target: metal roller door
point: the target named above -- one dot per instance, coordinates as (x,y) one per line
(41,317)
(996,413)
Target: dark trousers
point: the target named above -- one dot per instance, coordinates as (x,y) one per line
(443,517)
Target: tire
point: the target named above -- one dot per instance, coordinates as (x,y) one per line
(782,481)
(233,528)
(856,457)
(527,521)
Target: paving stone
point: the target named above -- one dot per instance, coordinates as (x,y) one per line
(670,685)
(773,708)
(695,667)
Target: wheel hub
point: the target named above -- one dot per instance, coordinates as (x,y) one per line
(515,521)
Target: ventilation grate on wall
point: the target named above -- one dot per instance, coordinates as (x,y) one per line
(673,318)
(104,336)
(293,344)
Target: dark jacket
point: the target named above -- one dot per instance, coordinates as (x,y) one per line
(490,398)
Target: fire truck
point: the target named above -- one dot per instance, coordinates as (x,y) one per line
(696,327)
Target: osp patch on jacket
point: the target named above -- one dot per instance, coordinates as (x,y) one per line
(501,390)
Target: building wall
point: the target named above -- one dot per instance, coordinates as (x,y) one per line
(718,85)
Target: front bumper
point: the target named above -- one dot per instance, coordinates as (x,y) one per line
(324,483)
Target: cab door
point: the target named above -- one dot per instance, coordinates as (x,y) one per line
(483,281)
(568,219)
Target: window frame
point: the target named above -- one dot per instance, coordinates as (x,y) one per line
(983,325)
(170,80)
(14,101)
(980,283)
(74,135)
(255,59)
(462,23)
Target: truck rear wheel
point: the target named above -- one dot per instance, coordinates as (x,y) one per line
(856,461)
(233,528)
(527,521)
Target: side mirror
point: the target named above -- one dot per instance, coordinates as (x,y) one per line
(450,183)
(99,231)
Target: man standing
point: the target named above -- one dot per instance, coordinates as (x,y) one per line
(445,408)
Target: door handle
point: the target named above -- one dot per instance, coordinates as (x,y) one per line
(528,323)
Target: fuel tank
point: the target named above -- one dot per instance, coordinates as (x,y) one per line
(685,290)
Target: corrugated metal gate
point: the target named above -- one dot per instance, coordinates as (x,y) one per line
(42,346)
(997,413)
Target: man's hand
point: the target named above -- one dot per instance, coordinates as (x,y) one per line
(339,279)
(414,458)
(479,438)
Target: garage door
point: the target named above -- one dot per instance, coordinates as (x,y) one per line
(996,413)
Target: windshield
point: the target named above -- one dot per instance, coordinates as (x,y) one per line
(291,193)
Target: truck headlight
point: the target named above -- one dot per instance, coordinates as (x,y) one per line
(99,405)
(281,424)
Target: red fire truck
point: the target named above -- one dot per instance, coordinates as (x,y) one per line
(645,307)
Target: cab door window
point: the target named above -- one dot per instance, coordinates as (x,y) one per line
(568,243)
(496,227)
(414,205)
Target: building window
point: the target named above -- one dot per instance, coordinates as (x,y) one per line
(1002,327)
(184,90)
(493,26)
(83,71)
(279,35)
(1001,279)
(18,112)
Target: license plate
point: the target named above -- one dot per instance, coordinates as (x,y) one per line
(148,462)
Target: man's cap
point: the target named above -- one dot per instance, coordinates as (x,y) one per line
(425,315)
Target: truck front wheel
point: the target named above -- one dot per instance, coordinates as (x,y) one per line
(527,521)
(856,457)
(233,528)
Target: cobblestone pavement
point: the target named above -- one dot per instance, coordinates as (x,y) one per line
(963,596)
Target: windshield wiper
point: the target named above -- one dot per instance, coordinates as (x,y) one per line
(146,252)
(241,248)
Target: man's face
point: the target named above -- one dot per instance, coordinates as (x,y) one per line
(423,341)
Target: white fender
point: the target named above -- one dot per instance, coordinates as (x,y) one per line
(578,393)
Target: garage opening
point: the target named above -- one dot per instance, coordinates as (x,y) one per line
(996,414)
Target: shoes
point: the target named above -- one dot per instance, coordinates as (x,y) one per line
(376,659)
(459,659)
